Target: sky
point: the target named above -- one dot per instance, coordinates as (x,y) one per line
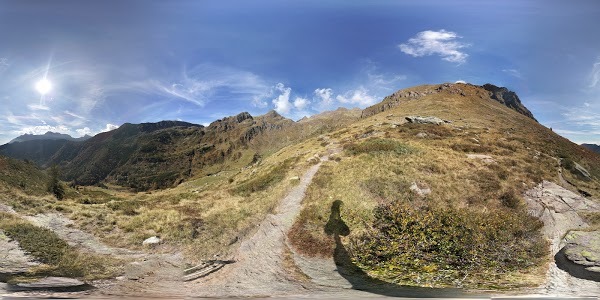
(84,67)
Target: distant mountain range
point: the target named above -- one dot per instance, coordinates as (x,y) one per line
(593,147)
(160,155)
(48,136)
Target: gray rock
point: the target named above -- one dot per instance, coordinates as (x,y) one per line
(581,255)
(420,189)
(294,178)
(485,158)
(582,171)
(425,120)
(421,135)
(583,248)
(151,241)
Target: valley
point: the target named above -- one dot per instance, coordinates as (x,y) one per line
(447,189)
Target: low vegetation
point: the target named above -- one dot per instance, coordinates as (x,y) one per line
(58,258)
(417,242)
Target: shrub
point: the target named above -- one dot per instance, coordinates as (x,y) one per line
(407,242)
(54,185)
(377,145)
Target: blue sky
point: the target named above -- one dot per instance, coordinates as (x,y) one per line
(111,62)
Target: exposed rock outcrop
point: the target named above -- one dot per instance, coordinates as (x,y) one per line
(559,208)
(582,252)
(425,120)
(508,98)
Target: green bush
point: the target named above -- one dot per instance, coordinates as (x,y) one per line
(377,145)
(442,244)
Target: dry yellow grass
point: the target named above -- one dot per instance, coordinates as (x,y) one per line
(522,150)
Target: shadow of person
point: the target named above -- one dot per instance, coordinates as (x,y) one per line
(362,281)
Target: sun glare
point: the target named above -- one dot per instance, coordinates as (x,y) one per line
(43,86)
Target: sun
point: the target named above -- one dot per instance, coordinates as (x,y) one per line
(43,86)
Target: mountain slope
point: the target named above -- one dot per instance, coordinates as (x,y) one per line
(160,155)
(425,204)
(593,147)
(16,175)
(48,136)
(487,91)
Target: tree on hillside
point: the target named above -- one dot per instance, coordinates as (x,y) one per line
(54,185)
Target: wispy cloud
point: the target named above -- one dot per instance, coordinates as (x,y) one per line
(38,107)
(442,43)
(513,72)
(3,63)
(199,84)
(595,75)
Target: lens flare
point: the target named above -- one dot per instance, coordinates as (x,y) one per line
(43,86)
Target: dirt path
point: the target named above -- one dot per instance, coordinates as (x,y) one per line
(259,267)
(558,208)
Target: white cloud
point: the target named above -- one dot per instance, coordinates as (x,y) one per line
(109,127)
(83,131)
(74,115)
(301,103)
(461,81)
(442,43)
(3,63)
(358,96)
(38,107)
(282,102)
(595,76)
(513,72)
(325,96)
(41,129)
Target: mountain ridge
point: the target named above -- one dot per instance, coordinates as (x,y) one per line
(49,135)
(499,94)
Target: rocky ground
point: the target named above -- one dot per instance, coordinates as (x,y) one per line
(560,211)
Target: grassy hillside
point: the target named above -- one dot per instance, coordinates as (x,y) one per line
(22,176)
(472,229)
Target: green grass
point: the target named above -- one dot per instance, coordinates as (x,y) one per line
(377,145)
(58,257)
(264,181)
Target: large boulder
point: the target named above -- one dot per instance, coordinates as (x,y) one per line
(425,120)
(581,255)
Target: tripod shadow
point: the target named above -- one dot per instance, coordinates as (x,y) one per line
(362,281)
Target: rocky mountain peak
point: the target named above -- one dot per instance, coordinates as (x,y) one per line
(488,91)
(508,98)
